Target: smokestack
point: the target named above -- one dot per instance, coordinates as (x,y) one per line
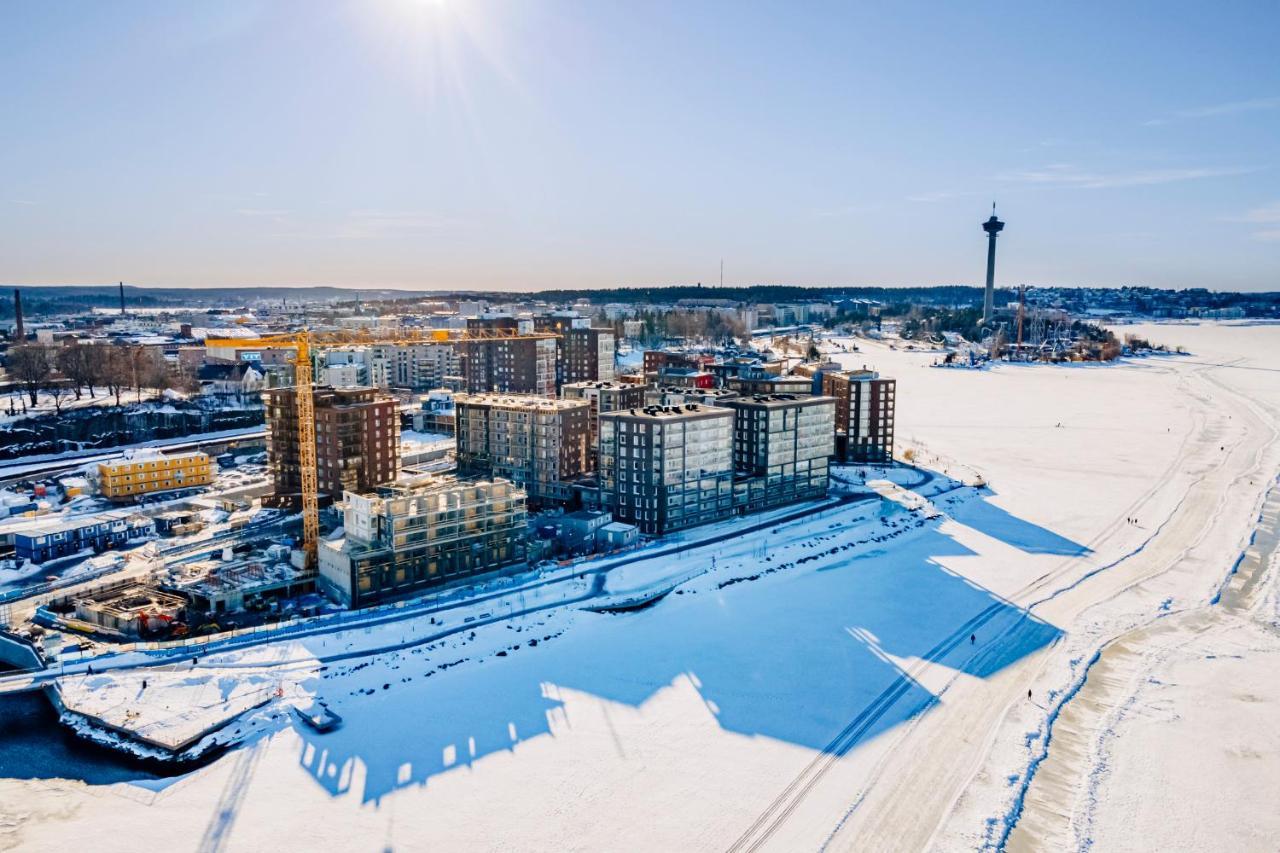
(122,298)
(19,332)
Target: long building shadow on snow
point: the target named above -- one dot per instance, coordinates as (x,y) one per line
(834,672)
(998,523)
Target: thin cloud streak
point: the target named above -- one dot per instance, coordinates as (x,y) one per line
(1067,176)
(1231,108)
(1267,216)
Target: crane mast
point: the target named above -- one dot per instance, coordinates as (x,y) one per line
(302,343)
(305,401)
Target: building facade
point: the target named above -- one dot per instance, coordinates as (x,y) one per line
(604,397)
(357,442)
(539,444)
(128,478)
(667,468)
(586,355)
(49,540)
(404,539)
(782,445)
(864,416)
(509,365)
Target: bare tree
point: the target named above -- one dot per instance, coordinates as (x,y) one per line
(154,371)
(116,370)
(57,392)
(31,366)
(77,362)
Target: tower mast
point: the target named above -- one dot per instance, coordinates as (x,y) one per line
(993,227)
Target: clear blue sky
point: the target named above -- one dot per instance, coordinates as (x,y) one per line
(521,145)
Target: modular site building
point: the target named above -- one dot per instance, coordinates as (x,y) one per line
(40,541)
(406,538)
(142,474)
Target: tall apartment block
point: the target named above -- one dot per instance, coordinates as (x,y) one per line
(357,441)
(539,444)
(864,416)
(520,364)
(782,444)
(667,468)
(406,538)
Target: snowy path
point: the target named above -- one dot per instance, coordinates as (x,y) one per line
(1003,749)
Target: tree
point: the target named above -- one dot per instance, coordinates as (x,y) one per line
(153,371)
(58,391)
(78,363)
(31,365)
(116,370)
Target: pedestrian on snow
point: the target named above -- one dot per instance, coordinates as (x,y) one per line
(1028,693)
(973,638)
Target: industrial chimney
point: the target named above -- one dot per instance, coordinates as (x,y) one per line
(18,332)
(122,298)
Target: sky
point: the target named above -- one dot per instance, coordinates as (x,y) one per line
(530,144)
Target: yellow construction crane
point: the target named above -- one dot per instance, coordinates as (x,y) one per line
(302,343)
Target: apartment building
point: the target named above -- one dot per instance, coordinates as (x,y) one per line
(667,468)
(781,448)
(509,365)
(417,366)
(864,416)
(406,538)
(539,444)
(129,478)
(586,354)
(357,433)
(604,397)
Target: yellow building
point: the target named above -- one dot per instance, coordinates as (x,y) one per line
(123,479)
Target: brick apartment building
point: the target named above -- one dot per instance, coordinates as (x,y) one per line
(539,444)
(864,416)
(357,442)
(510,365)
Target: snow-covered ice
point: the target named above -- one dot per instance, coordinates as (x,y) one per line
(852,680)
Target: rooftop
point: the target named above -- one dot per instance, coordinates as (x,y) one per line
(517,401)
(689,411)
